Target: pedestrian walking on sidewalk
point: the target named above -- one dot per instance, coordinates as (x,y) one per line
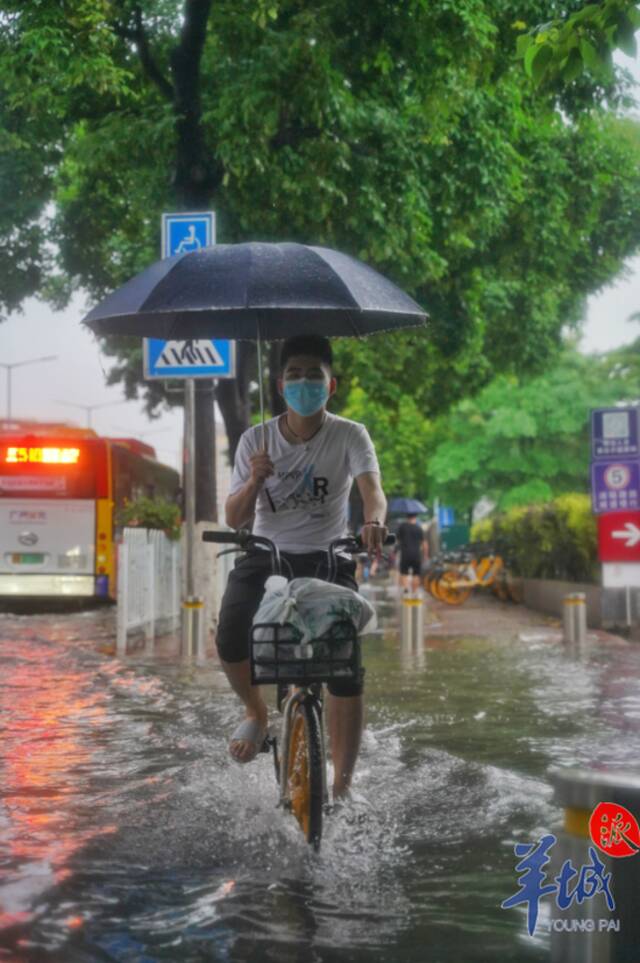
(412,548)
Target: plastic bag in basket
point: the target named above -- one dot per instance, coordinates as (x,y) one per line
(311,610)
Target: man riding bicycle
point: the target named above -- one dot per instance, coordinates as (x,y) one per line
(296,489)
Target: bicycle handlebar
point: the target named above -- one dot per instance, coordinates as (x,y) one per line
(243,538)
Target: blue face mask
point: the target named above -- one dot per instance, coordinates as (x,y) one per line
(305,397)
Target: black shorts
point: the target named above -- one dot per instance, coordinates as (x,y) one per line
(244,592)
(410,561)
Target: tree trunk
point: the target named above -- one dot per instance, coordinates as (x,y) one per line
(197,174)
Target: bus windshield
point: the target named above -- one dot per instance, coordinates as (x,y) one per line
(47,468)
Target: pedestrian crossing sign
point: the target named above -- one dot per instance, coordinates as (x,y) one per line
(198,358)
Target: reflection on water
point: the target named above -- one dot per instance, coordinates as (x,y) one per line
(126,834)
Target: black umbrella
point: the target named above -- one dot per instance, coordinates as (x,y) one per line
(255,291)
(406,506)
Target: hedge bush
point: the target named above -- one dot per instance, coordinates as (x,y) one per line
(146,512)
(553,540)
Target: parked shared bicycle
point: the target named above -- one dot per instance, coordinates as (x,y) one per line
(452,576)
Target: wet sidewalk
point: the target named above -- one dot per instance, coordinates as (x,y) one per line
(485,616)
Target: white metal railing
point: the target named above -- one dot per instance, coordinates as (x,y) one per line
(148,584)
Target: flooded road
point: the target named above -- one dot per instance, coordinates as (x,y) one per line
(127,834)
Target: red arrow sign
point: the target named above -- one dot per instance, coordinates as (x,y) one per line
(619,537)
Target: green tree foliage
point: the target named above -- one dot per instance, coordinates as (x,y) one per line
(406,134)
(580,41)
(519,442)
(625,364)
(401,435)
(558,539)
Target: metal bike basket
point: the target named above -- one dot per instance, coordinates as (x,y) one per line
(277,655)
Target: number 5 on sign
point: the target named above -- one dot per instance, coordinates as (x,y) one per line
(615,486)
(617,477)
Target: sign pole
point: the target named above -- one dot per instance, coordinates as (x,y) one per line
(184,232)
(189,481)
(192,606)
(214,448)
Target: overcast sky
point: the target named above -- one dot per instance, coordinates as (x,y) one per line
(78,374)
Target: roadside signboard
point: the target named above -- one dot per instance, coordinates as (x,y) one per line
(446,517)
(615,495)
(187,232)
(201,358)
(615,433)
(619,537)
(620,575)
(454,537)
(615,486)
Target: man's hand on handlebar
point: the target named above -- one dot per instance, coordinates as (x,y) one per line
(373,536)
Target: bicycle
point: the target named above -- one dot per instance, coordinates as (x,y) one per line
(300,768)
(452,577)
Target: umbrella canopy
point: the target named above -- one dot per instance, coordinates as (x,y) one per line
(255,291)
(406,506)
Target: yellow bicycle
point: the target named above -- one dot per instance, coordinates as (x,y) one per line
(299,752)
(454,576)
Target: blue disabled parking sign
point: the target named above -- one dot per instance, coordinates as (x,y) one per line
(182,233)
(198,358)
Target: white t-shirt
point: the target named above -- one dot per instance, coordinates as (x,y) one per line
(303,506)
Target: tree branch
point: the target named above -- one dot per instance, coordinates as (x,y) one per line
(148,63)
(138,36)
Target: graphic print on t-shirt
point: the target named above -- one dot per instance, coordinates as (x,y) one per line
(309,492)
(303,506)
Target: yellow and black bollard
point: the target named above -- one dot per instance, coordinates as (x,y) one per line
(192,626)
(602,806)
(412,620)
(574,618)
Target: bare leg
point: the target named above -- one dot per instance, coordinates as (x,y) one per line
(239,675)
(345,719)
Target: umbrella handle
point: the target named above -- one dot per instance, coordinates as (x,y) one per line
(261,393)
(261,386)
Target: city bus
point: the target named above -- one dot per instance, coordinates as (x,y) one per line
(60,491)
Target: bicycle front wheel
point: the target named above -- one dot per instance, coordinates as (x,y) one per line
(454,588)
(305,771)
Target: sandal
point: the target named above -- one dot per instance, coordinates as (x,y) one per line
(251,731)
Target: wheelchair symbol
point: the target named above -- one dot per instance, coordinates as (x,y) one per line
(190,242)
